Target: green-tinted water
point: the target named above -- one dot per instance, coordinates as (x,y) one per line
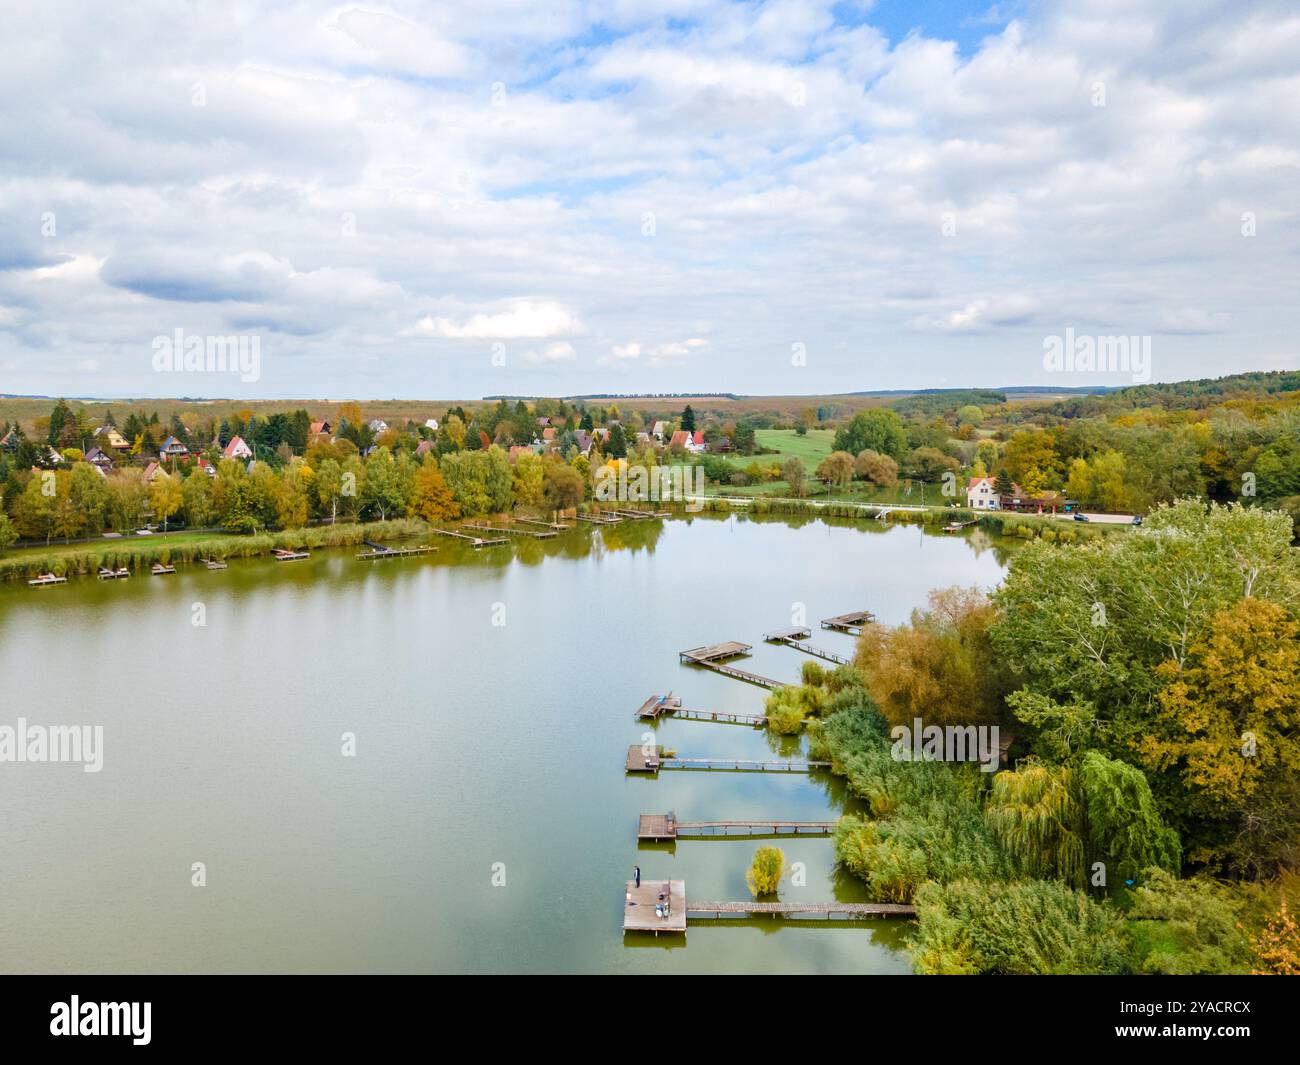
(476,743)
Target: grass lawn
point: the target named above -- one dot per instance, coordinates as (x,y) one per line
(57,548)
(809,450)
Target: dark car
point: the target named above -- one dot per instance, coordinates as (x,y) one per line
(1080,516)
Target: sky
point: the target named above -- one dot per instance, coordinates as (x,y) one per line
(512,197)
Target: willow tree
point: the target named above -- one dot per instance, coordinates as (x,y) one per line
(1059,822)
(1036,814)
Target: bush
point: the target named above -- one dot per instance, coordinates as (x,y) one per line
(764,875)
(1027,927)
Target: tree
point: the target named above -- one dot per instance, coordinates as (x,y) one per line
(1032,461)
(764,875)
(8,534)
(793,474)
(34,511)
(836,468)
(878,429)
(293,495)
(743,440)
(89,493)
(165,497)
(562,487)
(383,488)
(196,492)
(433,499)
(688,419)
(879,469)
(329,486)
(528,479)
(1227,729)
(807,420)
(1186,927)
(941,667)
(1277,947)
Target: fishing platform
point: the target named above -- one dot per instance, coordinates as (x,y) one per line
(715,656)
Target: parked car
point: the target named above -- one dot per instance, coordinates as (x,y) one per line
(1080,516)
(1137,520)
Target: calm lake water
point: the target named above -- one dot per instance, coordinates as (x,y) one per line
(476,743)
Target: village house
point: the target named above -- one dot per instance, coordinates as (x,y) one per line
(679,440)
(237,449)
(695,442)
(431,423)
(320,430)
(658,429)
(153,471)
(97,458)
(423,448)
(173,449)
(115,439)
(378,425)
(982,493)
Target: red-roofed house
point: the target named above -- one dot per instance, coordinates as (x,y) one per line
(981,493)
(237,449)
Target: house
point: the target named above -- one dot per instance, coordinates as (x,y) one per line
(320,429)
(423,448)
(432,423)
(548,434)
(542,423)
(173,449)
(206,466)
(719,447)
(982,493)
(696,442)
(115,439)
(583,439)
(378,425)
(153,471)
(99,459)
(237,449)
(658,429)
(679,440)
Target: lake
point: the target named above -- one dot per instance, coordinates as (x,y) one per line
(492,697)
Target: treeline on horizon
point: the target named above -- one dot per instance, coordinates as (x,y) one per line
(1237,439)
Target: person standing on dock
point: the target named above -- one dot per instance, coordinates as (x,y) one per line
(638,875)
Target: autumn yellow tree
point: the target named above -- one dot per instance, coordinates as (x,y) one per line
(1228,728)
(941,667)
(433,499)
(1277,947)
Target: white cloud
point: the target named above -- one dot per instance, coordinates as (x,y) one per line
(561,351)
(523,320)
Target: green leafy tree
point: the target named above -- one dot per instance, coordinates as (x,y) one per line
(764,875)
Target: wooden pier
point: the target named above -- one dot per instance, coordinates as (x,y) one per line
(473,541)
(658,706)
(107,573)
(714,657)
(661,828)
(160,570)
(829,911)
(644,906)
(550,535)
(644,759)
(662,906)
(46,579)
(598,519)
(795,637)
(957,526)
(283,555)
(557,526)
(380,551)
(215,563)
(638,515)
(851,623)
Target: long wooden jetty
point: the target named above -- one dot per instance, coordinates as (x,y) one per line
(795,637)
(108,573)
(661,828)
(642,758)
(830,911)
(658,706)
(638,515)
(557,526)
(714,657)
(473,541)
(852,622)
(598,519)
(285,555)
(662,906)
(513,532)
